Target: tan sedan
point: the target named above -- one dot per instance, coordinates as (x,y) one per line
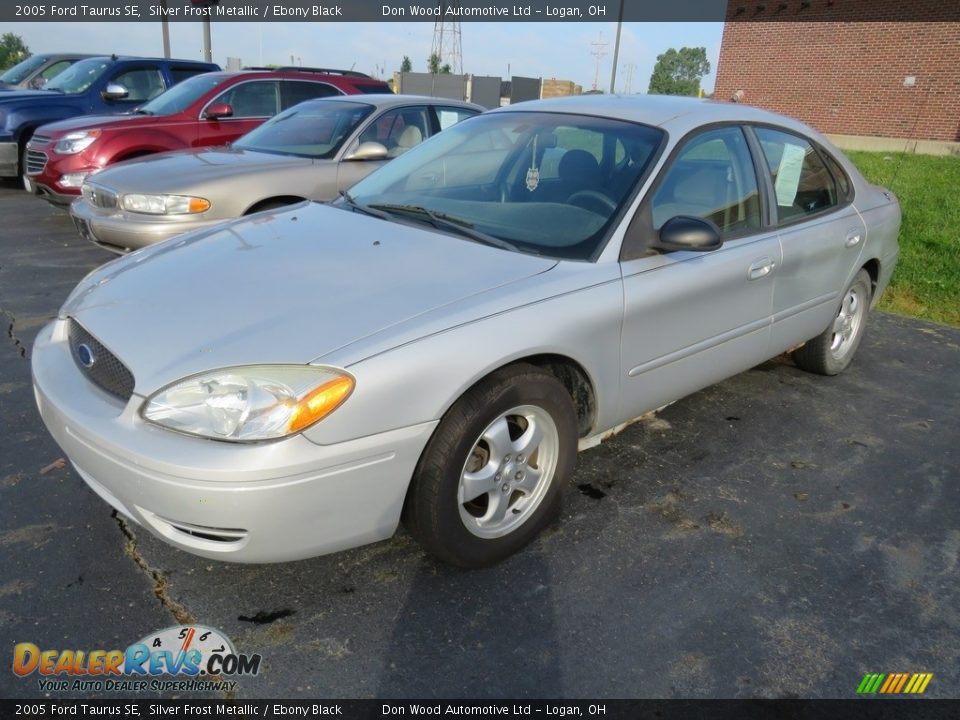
(312,151)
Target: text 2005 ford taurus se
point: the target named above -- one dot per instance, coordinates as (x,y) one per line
(435,346)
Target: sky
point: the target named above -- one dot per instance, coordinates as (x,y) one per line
(548,50)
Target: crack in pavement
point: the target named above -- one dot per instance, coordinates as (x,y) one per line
(20,347)
(160,583)
(161,587)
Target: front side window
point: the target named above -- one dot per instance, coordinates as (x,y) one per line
(712,178)
(257,98)
(802,184)
(314,129)
(77,78)
(55,69)
(142,84)
(545,183)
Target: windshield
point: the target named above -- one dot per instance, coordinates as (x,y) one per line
(547,183)
(22,70)
(180,97)
(79,76)
(311,129)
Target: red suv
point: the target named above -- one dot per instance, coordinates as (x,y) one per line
(210,109)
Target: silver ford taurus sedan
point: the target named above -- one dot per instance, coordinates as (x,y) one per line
(310,152)
(437,344)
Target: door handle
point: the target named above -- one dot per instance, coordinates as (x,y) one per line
(853,238)
(761,268)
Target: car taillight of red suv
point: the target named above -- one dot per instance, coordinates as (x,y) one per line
(206,110)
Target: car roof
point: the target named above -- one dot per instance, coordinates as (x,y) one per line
(672,113)
(384,100)
(331,78)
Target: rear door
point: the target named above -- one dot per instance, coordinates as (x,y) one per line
(693,318)
(293,92)
(253,102)
(821,232)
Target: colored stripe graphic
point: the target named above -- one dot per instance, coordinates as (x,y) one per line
(894,683)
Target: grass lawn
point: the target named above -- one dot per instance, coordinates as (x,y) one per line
(926,282)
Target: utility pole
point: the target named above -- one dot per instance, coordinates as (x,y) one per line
(165,30)
(628,82)
(598,52)
(616,51)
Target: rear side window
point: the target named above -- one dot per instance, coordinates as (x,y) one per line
(373,89)
(55,69)
(179,74)
(297,91)
(843,182)
(713,178)
(802,184)
(447,116)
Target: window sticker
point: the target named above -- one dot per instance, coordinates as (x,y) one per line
(788,174)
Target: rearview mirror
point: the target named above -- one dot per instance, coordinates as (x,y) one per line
(685,232)
(115,91)
(217,111)
(368,151)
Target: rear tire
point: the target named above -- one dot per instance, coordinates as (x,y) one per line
(832,350)
(490,478)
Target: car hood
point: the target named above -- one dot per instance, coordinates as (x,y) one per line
(284,287)
(32,97)
(186,169)
(85,122)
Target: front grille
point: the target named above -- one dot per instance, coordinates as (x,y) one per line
(99,196)
(40,139)
(101,366)
(35,162)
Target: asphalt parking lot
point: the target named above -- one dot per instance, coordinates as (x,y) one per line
(777,535)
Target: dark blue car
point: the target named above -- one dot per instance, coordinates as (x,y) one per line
(95,85)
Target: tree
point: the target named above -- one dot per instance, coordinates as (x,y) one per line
(679,73)
(12,50)
(406,65)
(434,66)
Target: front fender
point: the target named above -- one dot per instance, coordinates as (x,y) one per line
(419,381)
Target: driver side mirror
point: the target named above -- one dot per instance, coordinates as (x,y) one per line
(115,91)
(217,111)
(368,151)
(685,232)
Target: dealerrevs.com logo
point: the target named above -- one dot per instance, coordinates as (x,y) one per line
(197,657)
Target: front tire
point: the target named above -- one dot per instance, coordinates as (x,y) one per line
(832,350)
(490,478)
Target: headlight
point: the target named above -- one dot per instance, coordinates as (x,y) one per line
(72,143)
(164,204)
(246,404)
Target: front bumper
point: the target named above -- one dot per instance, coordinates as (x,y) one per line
(51,194)
(9,159)
(265,502)
(120,232)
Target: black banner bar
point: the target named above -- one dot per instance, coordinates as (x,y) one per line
(479,10)
(870,709)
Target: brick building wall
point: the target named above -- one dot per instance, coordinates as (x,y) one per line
(843,68)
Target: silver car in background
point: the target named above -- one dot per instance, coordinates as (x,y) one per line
(310,152)
(438,343)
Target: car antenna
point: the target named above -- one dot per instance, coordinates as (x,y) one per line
(114,57)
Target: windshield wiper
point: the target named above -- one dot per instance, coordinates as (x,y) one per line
(441,220)
(357,207)
(141,111)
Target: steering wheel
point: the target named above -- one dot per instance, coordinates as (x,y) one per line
(592,197)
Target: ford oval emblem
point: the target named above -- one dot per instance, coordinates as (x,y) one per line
(85,353)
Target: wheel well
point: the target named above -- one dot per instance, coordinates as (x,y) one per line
(873,268)
(274,201)
(135,154)
(576,381)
